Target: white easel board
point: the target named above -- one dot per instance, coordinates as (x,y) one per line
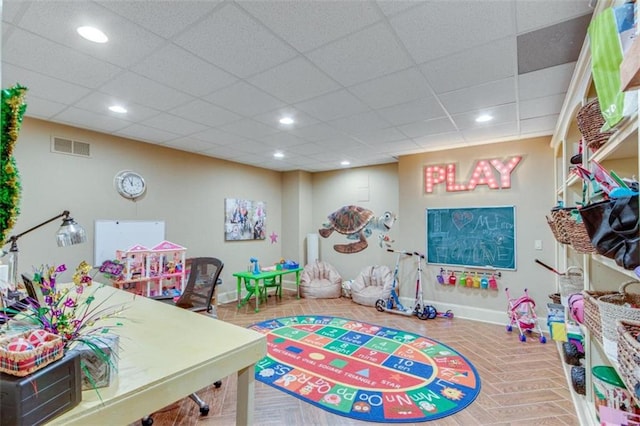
(112,235)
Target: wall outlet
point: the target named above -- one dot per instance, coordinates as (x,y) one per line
(538,244)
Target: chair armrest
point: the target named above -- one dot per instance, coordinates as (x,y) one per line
(163,299)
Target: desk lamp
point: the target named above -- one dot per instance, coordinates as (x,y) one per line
(70,233)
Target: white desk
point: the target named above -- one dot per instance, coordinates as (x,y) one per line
(167,353)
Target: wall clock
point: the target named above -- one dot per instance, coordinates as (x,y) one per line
(129,184)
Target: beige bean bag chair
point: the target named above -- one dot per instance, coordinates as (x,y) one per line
(371,284)
(320,280)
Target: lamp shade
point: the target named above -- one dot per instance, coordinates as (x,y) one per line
(70,233)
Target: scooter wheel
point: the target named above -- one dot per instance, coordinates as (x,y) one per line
(449,314)
(430,311)
(423,315)
(380,305)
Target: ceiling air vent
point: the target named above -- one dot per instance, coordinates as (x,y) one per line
(71,147)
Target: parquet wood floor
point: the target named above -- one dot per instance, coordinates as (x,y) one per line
(522,383)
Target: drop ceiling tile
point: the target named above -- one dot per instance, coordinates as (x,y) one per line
(235,42)
(205,113)
(135,88)
(306,149)
(91,120)
(435,141)
(481,96)
(426,30)
(400,87)
(419,110)
(422,128)
(146,134)
(379,136)
(154,15)
(501,114)
(171,123)
(127,42)
(491,133)
(531,15)
(281,140)
(340,143)
(332,106)
(549,81)
(183,71)
(360,123)
(189,144)
(43,109)
(309,24)
(489,62)
(253,147)
(294,81)
(12,11)
(317,132)
(356,58)
(244,99)
(248,128)
(539,107)
(41,85)
(272,118)
(539,125)
(100,102)
(393,7)
(218,137)
(37,54)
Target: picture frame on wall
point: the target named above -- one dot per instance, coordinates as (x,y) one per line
(244,219)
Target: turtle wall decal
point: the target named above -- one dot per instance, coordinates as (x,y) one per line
(357,223)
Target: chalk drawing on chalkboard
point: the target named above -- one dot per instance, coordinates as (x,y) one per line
(472,237)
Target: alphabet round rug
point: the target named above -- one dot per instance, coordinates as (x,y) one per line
(365,371)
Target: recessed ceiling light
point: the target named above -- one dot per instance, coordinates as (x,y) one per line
(483,118)
(117,108)
(93,34)
(286,120)
(278,155)
(345,163)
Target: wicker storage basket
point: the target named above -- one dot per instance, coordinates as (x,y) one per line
(590,121)
(572,281)
(555,298)
(629,355)
(592,312)
(556,223)
(578,236)
(614,307)
(24,363)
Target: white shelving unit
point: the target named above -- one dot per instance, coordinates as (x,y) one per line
(621,153)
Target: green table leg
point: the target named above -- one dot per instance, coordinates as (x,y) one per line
(239,293)
(298,284)
(256,292)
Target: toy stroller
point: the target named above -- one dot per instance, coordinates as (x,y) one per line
(522,312)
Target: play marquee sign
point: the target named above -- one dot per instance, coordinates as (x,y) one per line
(495,173)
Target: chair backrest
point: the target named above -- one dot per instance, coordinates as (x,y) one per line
(33,290)
(202,278)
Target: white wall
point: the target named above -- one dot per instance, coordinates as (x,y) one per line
(185,190)
(532,194)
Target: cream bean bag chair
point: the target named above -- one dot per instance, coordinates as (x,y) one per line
(320,280)
(371,284)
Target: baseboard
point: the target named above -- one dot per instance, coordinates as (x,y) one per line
(459,311)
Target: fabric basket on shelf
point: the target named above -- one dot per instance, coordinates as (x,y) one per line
(572,281)
(629,355)
(556,223)
(613,307)
(590,121)
(592,312)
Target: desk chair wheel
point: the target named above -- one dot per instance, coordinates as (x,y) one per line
(218,384)
(147,421)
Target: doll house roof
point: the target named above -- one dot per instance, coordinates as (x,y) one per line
(138,248)
(168,246)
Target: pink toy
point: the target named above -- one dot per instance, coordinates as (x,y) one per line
(522,312)
(576,307)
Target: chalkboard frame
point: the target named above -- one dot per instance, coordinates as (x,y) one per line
(506,234)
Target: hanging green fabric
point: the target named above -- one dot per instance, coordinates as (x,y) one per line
(606,56)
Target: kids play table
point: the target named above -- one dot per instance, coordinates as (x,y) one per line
(257,279)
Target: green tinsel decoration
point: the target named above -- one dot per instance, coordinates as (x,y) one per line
(13,108)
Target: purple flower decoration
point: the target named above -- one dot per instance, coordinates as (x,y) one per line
(70,303)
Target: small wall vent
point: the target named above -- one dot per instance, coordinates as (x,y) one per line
(70,147)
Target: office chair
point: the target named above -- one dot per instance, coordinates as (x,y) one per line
(203,277)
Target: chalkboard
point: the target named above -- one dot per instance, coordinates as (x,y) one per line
(112,235)
(472,236)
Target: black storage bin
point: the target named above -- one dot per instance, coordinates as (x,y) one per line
(43,395)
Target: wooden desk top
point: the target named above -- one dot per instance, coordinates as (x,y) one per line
(166,353)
